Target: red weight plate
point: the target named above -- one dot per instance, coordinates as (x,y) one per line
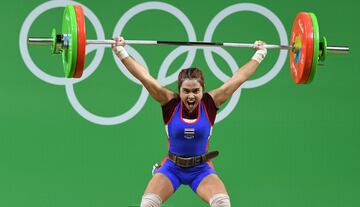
(302,36)
(80,19)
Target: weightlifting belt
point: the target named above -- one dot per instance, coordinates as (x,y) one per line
(192,161)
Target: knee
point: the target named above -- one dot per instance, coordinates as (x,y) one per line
(150,200)
(220,200)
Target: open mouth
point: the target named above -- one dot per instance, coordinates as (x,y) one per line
(191,104)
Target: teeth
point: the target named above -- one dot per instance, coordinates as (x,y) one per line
(191,103)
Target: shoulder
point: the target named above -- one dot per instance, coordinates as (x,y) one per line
(210,107)
(169,107)
(209,101)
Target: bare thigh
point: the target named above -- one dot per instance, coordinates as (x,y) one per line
(161,186)
(209,186)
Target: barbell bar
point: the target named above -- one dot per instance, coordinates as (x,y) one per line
(49,41)
(306,48)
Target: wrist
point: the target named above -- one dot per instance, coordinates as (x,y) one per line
(259,55)
(121,52)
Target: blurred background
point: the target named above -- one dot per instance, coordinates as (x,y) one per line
(92,142)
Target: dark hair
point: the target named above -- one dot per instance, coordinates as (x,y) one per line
(191,73)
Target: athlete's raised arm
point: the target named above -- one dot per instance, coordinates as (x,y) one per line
(156,90)
(221,94)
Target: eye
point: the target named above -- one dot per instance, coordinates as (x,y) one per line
(196,91)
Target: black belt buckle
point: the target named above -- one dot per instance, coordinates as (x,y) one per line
(187,161)
(198,160)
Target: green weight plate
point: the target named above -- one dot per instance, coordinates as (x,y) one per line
(69,30)
(316,48)
(53,46)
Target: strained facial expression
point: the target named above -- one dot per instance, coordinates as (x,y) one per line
(191,93)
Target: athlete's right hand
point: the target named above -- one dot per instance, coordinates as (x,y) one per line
(119,41)
(261,51)
(118,47)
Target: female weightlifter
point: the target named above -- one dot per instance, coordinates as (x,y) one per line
(189,116)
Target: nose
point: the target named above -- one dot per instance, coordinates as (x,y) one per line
(191,95)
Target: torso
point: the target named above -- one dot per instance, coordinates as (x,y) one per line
(189,133)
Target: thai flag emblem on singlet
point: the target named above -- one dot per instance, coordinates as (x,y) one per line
(189,133)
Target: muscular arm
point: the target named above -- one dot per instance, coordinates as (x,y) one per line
(157,91)
(221,94)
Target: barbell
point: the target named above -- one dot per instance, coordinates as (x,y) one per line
(306,47)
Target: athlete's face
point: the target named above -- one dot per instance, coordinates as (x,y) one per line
(191,93)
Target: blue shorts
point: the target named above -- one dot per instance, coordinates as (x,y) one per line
(191,176)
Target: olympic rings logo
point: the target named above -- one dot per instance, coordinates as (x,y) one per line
(161,77)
